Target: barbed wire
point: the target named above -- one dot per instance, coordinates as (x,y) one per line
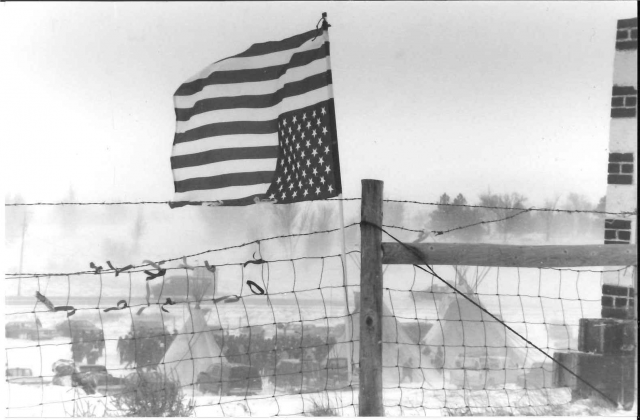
(133,267)
(442,232)
(426,203)
(542,209)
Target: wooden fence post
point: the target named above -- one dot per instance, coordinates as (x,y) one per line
(371,300)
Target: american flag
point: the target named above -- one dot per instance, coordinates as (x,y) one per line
(259,125)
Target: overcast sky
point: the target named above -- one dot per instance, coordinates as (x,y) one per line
(430,97)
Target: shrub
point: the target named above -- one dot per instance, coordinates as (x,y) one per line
(152,395)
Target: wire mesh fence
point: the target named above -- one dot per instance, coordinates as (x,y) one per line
(294,350)
(272,336)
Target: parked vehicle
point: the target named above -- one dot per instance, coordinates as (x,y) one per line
(105,382)
(73,327)
(23,376)
(235,379)
(27,331)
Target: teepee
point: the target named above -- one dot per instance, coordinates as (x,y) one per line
(195,349)
(467,338)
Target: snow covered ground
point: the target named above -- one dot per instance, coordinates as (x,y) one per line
(66,402)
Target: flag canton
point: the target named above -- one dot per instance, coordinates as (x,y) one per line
(307,167)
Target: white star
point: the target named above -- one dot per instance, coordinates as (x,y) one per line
(304,174)
(289,159)
(326,150)
(298,165)
(317,122)
(279,180)
(285,121)
(308,124)
(324,130)
(286,140)
(282,161)
(308,162)
(319,140)
(282,133)
(323,111)
(311,181)
(327,169)
(321,160)
(302,137)
(304,116)
(290,129)
(300,184)
(272,196)
(284,194)
(299,127)
(297,176)
(305,192)
(293,138)
(308,142)
(322,180)
(317,190)
(288,177)
(285,169)
(297,146)
(294,119)
(330,188)
(313,133)
(315,152)
(280,189)
(302,154)
(314,114)
(315,171)
(295,193)
(290,186)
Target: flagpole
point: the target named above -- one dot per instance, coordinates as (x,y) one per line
(345,278)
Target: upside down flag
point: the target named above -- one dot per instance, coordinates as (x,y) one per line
(259,126)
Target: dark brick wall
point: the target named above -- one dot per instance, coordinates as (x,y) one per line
(617,302)
(627,36)
(617,231)
(624,102)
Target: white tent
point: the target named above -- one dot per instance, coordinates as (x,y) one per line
(471,347)
(195,349)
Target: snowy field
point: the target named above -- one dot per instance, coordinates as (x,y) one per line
(543,305)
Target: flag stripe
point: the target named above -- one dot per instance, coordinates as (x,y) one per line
(275,46)
(255,62)
(251,88)
(239,121)
(221,155)
(224,167)
(256,101)
(253,75)
(226,180)
(256,114)
(226,194)
(267,60)
(224,142)
(228,128)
